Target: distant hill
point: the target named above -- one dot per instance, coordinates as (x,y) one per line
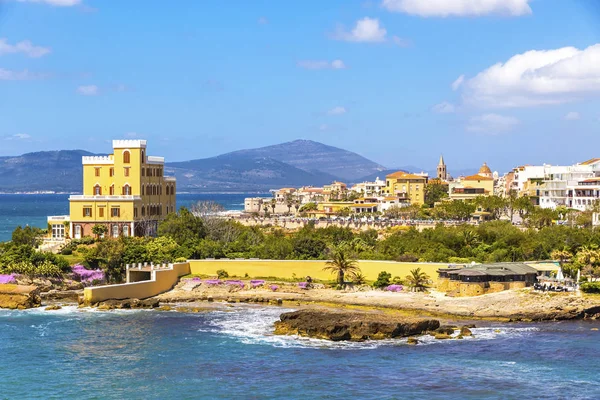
(317,158)
(239,172)
(59,171)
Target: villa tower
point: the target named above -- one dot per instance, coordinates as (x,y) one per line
(125,191)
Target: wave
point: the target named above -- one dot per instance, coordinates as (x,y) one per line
(252,326)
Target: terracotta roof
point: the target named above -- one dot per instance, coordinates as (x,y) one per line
(591,161)
(403,175)
(477,178)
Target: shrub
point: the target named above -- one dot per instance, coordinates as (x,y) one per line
(222,274)
(397,281)
(359,279)
(45,269)
(383,280)
(590,287)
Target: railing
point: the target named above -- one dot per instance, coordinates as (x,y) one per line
(108,198)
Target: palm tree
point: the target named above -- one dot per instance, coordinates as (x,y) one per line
(561,255)
(296,205)
(417,280)
(470,238)
(341,264)
(273,205)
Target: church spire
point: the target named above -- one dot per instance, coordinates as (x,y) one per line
(441,160)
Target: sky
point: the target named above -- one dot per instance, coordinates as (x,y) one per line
(508,82)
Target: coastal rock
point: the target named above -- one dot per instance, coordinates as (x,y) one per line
(72,295)
(412,341)
(347,325)
(442,336)
(445,330)
(465,331)
(19,296)
(128,303)
(53,307)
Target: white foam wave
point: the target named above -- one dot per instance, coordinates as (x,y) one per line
(252,325)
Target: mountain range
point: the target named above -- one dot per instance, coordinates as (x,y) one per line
(296,163)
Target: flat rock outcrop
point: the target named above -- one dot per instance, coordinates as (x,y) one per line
(19,297)
(127,303)
(353,326)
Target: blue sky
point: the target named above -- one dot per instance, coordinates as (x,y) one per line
(399,81)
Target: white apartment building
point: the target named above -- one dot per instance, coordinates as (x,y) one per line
(575,186)
(369,188)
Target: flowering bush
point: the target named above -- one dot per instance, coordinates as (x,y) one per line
(394,288)
(256,283)
(303,285)
(274,287)
(212,282)
(87,275)
(235,283)
(7,278)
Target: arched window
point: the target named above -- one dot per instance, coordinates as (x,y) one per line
(143,157)
(143,211)
(97,190)
(160,190)
(126,190)
(143,189)
(126,157)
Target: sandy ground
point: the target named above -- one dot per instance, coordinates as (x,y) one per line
(515,305)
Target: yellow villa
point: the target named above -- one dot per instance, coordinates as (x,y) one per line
(125,191)
(407,187)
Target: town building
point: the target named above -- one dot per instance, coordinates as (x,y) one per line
(551,186)
(474,280)
(406,187)
(369,188)
(442,172)
(473,186)
(335,191)
(126,192)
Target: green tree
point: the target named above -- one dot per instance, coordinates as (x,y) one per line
(27,236)
(383,280)
(99,230)
(435,191)
(341,264)
(417,280)
(182,226)
(523,206)
(309,207)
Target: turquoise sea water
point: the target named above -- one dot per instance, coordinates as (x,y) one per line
(231,354)
(33,209)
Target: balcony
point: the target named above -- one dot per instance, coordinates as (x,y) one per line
(103,198)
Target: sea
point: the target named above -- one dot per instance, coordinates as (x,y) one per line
(33,209)
(231,353)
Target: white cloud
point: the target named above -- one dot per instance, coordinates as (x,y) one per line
(24,75)
(491,124)
(398,41)
(572,116)
(366,30)
(57,3)
(323,127)
(321,64)
(459,81)
(24,47)
(458,8)
(263,20)
(89,90)
(444,108)
(537,77)
(18,136)
(339,110)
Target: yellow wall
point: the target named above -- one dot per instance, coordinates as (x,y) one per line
(314,269)
(161,281)
(414,188)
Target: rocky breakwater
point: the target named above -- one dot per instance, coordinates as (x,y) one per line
(350,325)
(19,297)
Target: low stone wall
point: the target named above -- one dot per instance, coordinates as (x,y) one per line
(301,269)
(161,280)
